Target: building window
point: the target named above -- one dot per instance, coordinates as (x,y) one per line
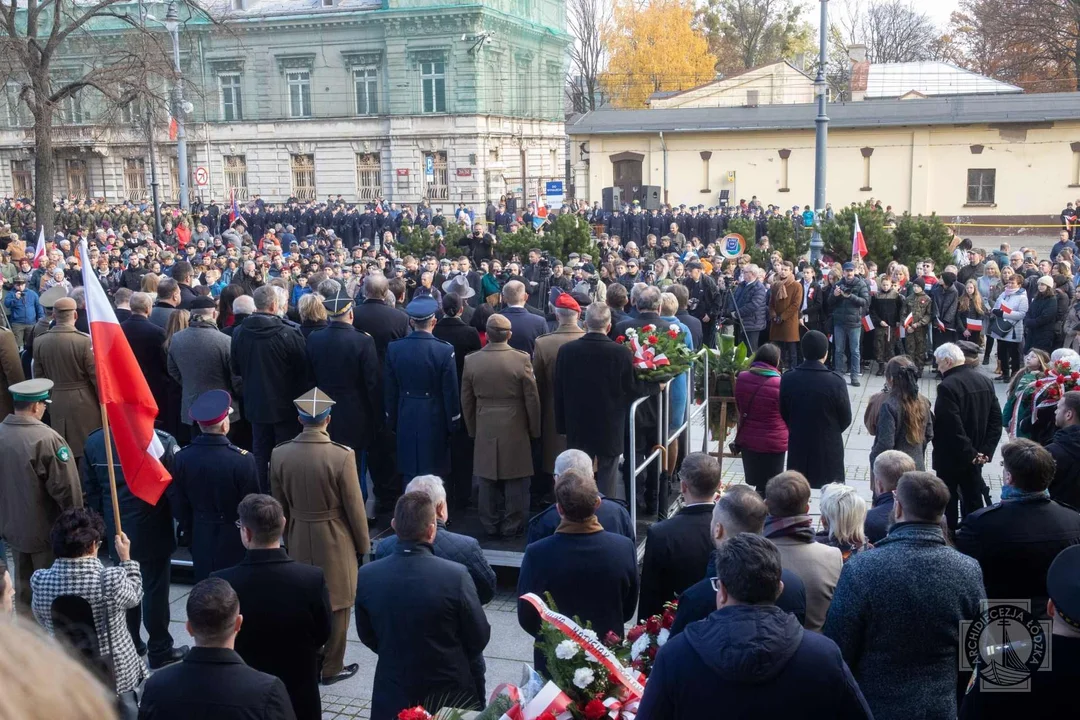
(131,112)
(980,183)
(232,104)
(368,176)
(433,82)
(366,83)
(71,110)
(236,177)
(22,178)
(303,177)
(436,180)
(78,183)
(299,82)
(135,178)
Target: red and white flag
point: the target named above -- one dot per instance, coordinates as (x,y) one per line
(940,325)
(122,389)
(1005,309)
(858,242)
(867,323)
(908,319)
(39,251)
(974,324)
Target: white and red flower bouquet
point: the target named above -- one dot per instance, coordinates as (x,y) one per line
(660,354)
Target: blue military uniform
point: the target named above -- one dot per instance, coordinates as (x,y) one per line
(421,393)
(150,529)
(210,478)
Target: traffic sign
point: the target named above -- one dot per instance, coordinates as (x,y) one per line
(202,176)
(555,187)
(429,166)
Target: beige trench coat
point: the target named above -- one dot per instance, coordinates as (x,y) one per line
(544,355)
(501,410)
(11,370)
(64,356)
(316,483)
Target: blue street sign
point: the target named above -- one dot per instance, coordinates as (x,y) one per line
(554,188)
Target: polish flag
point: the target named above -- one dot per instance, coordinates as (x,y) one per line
(39,251)
(940,325)
(123,391)
(858,242)
(867,323)
(974,324)
(908,319)
(1006,309)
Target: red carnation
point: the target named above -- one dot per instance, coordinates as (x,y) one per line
(414,713)
(594,710)
(1038,384)
(1075,376)
(652,339)
(648,328)
(638,664)
(611,639)
(546,715)
(668,619)
(1065,365)
(652,652)
(635,632)
(621,339)
(652,625)
(673,334)
(1060,379)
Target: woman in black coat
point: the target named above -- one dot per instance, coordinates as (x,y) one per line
(1041,318)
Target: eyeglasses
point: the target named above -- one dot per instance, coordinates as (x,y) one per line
(238,525)
(715,582)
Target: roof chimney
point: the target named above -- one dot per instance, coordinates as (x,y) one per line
(860,71)
(857,53)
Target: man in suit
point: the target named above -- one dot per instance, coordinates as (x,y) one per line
(815,405)
(213,680)
(1016,539)
(501,410)
(344,364)
(594,383)
(611,513)
(286,606)
(198,357)
(683,296)
(210,478)
(316,482)
(616,298)
(678,548)
(590,573)
(420,614)
(421,394)
(525,325)
(384,323)
(461,549)
(150,528)
(464,339)
(147,342)
(168,298)
(63,355)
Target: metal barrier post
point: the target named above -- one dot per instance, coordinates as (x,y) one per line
(657,452)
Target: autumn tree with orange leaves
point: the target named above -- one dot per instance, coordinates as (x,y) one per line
(653,48)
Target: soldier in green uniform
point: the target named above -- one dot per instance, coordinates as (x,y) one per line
(40,482)
(919,307)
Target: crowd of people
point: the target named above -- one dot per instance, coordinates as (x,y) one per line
(312,384)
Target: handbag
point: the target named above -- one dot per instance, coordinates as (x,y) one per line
(1001,326)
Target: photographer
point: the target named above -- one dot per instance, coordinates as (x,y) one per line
(480,243)
(853,298)
(704,301)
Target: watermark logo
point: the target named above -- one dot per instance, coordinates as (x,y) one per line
(1005,644)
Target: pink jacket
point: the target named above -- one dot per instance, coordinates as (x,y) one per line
(757,393)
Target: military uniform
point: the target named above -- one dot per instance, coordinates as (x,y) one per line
(421,398)
(64,356)
(210,478)
(920,307)
(40,482)
(326,525)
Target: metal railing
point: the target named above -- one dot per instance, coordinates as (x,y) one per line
(658,454)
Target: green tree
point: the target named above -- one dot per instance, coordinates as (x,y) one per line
(748,33)
(566,233)
(838,232)
(416,241)
(792,242)
(920,237)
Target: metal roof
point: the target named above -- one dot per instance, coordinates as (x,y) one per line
(891,80)
(955,110)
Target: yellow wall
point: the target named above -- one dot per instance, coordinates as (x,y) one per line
(776,84)
(920,170)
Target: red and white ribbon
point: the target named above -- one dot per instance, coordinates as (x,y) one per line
(632,681)
(619,710)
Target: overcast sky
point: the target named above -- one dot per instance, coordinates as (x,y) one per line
(939,10)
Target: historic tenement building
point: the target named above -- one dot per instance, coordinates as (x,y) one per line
(453,100)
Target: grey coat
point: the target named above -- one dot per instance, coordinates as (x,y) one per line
(896,613)
(199,361)
(892,436)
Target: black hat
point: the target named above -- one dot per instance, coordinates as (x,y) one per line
(694,265)
(203,302)
(815,345)
(920,282)
(582,298)
(970,349)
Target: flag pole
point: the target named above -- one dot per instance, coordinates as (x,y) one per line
(112,469)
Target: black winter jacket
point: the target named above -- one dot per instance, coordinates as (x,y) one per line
(1039,323)
(849,310)
(270,358)
(1065,448)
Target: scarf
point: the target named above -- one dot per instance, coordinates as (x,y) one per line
(799,527)
(781,294)
(584,527)
(1013,493)
(764,370)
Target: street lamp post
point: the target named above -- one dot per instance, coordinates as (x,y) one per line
(821,137)
(172,24)
(153,176)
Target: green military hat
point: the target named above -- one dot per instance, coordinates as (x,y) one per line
(314,405)
(31,390)
(50,296)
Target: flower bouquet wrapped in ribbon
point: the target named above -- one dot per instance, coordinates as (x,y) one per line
(643,641)
(660,354)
